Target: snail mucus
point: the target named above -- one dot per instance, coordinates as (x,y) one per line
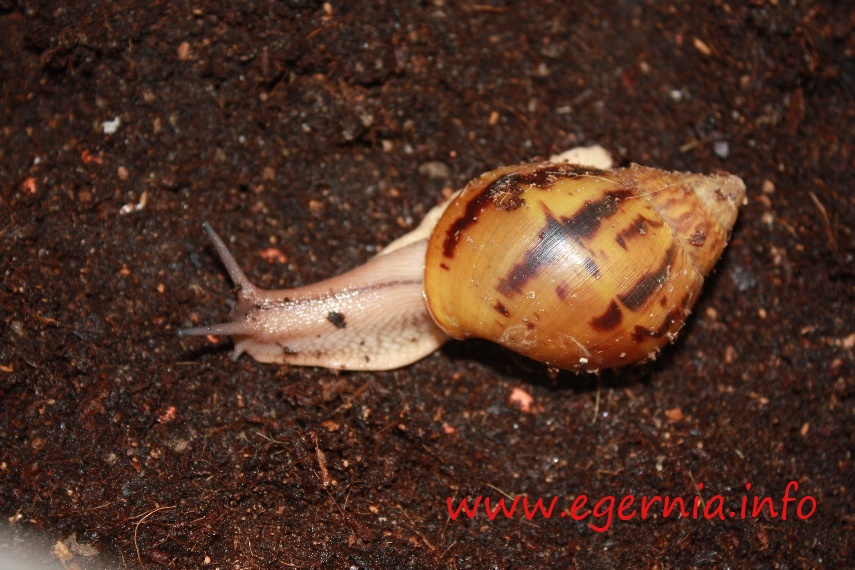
(574,264)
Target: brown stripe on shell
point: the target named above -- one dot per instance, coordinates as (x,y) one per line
(474,207)
(545,176)
(591,267)
(584,224)
(676,315)
(501,309)
(504,193)
(540,256)
(650,283)
(637,228)
(542,178)
(640,333)
(608,320)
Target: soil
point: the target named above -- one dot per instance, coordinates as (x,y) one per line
(310,135)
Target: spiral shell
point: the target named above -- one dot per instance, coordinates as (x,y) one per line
(579,268)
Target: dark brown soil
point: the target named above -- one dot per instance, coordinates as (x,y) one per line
(311,130)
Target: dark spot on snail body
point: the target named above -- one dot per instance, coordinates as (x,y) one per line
(337,319)
(563,291)
(637,228)
(698,238)
(444,266)
(287,351)
(649,284)
(530,326)
(608,320)
(501,309)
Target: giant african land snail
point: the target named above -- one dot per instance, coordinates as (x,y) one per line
(579,267)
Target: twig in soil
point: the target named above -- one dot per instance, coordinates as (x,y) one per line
(828,228)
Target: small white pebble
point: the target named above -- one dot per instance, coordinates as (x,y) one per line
(721,149)
(110,127)
(435,170)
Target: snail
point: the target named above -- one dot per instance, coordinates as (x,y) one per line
(578,267)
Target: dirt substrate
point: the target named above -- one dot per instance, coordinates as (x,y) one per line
(310,135)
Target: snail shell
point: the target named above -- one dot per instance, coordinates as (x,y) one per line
(577,267)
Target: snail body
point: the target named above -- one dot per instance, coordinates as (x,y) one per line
(578,267)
